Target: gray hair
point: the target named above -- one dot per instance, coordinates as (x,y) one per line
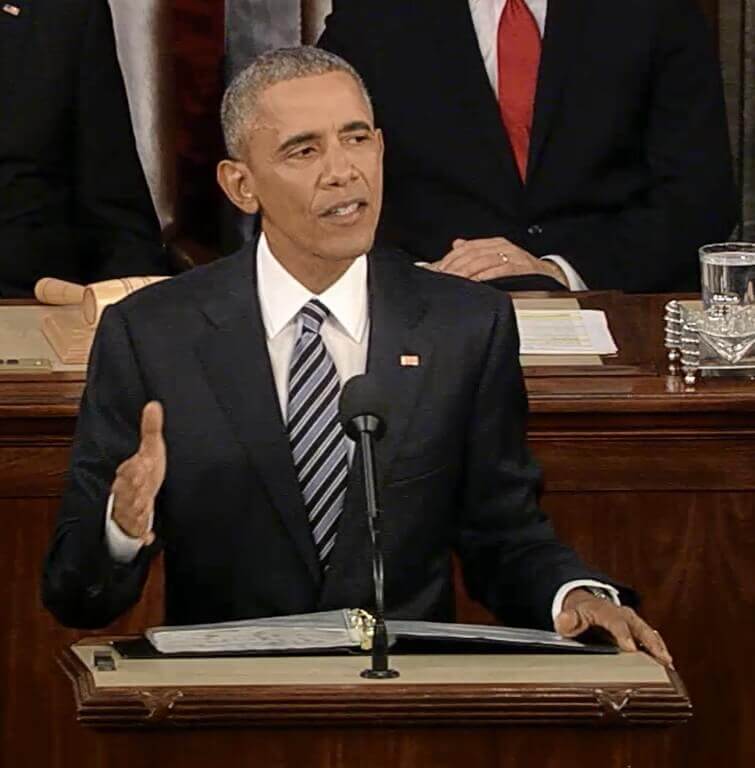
(243,94)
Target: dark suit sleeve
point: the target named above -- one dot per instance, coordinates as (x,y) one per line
(115,210)
(512,561)
(82,585)
(653,243)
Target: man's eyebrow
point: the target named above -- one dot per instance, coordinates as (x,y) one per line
(304,137)
(355,125)
(298,138)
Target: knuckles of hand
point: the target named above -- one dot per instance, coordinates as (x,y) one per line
(624,624)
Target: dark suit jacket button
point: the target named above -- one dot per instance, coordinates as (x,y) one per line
(535,229)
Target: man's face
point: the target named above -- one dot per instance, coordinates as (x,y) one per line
(314,162)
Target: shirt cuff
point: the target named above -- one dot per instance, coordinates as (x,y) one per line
(558,600)
(122,547)
(573,278)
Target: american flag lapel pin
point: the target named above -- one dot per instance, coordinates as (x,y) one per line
(12,10)
(409,361)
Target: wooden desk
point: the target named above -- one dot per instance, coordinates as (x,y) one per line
(650,482)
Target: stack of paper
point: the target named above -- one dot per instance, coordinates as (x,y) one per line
(564,332)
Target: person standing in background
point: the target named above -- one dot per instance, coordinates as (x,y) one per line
(74,203)
(582,141)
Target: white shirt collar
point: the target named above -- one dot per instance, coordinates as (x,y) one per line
(282,296)
(486,14)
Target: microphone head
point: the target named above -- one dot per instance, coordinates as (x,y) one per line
(362,408)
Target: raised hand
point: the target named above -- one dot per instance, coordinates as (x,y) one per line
(138,479)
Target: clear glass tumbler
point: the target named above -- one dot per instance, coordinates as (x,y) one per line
(728,274)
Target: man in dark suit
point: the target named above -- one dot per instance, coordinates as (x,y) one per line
(582,139)
(245,480)
(74,203)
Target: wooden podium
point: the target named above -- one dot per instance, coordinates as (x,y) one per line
(510,707)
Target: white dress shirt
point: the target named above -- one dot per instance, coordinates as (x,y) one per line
(345,333)
(485,16)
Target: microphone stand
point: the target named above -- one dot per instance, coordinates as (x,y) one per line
(380,669)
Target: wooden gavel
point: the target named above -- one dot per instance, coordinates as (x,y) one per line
(93,298)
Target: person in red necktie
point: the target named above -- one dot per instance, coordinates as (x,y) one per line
(582,143)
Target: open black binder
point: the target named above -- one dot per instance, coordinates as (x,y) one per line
(344,631)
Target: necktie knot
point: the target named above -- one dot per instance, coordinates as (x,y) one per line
(313,315)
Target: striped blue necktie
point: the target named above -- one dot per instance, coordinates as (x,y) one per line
(318,443)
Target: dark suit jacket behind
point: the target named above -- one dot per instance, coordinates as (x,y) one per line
(455,469)
(73,200)
(629,169)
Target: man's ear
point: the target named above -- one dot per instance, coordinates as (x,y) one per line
(237,181)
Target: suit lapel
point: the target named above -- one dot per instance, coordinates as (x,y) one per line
(563,32)
(454,44)
(234,357)
(396,313)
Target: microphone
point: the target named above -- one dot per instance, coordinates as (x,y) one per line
(362,408)
(363,414)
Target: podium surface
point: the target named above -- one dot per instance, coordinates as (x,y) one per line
(444,689)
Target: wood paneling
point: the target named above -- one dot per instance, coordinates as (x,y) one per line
(32,470)
(646,462)
(367,748)
(690,554)
(37,719)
